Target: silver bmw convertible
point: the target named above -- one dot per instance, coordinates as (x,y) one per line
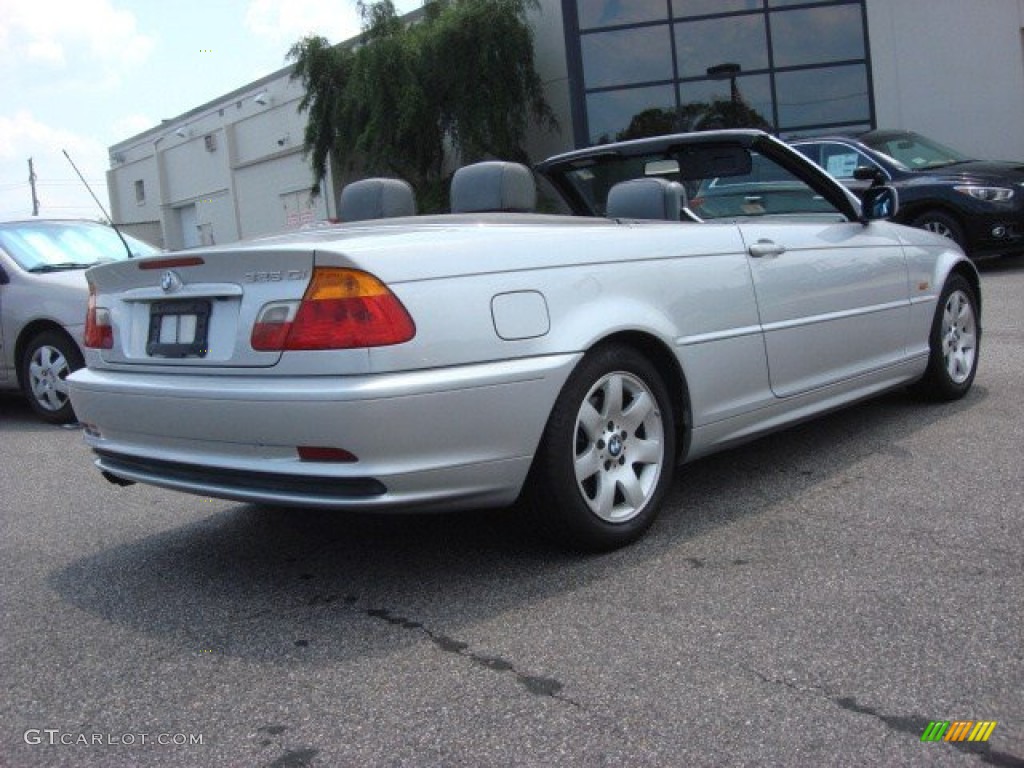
(708,288)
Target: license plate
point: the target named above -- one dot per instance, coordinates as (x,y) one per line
(178,328)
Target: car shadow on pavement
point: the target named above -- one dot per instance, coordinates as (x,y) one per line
(1011,263)
(293,586)
(15,413)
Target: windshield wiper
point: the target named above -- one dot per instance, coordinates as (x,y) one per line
(60,267)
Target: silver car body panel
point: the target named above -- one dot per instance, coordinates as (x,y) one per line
(56,299)
(505,306)
(31,302)
(417,433)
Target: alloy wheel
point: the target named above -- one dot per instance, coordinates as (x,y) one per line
(959,337)
(619,447)
(48,370)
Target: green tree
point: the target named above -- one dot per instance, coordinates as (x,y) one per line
(324,70)
(462,77)
(724,113)
(693,116)
(650,122)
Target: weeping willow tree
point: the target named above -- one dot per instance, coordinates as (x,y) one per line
(460,79)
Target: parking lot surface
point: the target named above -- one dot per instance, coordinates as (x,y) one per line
(815,598)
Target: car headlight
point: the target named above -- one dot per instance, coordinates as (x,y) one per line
(986,194)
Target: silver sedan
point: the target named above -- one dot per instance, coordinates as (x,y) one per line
(43,295)
(495,355)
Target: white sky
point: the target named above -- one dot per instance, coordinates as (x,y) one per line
(81,75)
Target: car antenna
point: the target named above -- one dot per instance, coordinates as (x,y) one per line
(110,219)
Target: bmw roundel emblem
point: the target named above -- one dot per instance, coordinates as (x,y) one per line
(170,282)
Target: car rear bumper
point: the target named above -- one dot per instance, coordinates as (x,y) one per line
(446,438)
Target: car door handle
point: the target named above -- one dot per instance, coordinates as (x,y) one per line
(763,248)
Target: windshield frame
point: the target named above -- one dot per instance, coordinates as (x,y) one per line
(637,152)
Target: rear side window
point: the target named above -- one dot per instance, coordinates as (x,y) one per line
(840,160)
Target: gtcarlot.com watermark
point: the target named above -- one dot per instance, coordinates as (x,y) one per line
(55,736)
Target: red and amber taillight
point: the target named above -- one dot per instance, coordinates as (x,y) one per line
(99,333)
(341,309)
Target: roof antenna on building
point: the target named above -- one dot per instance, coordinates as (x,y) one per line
(110,220)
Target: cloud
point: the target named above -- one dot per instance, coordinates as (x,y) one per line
(59,190)
(61,33)
(282,22)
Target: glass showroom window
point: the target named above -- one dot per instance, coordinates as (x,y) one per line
(607,13)
(819,97)
(627,56)
(742,40)
(817,36)
(642,68)
(631,113)
(682,9)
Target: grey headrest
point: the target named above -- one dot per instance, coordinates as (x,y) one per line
(376,199)
(493,186)
(648,198)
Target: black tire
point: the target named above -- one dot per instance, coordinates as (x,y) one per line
(48,359)
(618,501)
(941,223)
(953,343)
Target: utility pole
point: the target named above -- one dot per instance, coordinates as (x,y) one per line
(32,183)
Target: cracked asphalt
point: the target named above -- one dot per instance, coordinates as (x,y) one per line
(812,599)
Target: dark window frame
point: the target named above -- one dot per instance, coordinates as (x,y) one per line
(579,92)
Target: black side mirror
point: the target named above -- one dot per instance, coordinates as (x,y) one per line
(880,202)
(4,279)
(869,173)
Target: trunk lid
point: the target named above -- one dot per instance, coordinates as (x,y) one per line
(196,309)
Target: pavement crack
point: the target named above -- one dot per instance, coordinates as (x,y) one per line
(536,684)
(786,683)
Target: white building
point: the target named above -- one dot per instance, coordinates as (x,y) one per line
(227,170)
(953,70)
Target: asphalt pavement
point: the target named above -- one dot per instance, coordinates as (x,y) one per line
(816,598)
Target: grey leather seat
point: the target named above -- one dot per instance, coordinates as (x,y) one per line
(493,186)
(376,199)
(648,198)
